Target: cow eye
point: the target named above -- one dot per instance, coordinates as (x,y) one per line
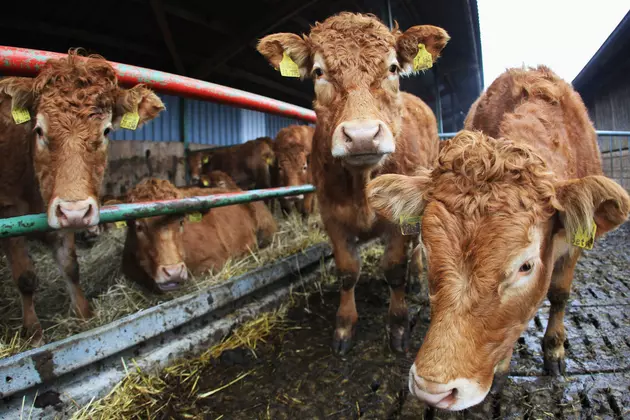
(305,166)
(107,131)
(394,68)
(39,132)
(318,72)
(526,268)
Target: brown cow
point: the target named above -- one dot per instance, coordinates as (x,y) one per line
(365,127)
(55,161)
(500,217)
(160,250)
(218,179)
(248,164)
(292,148)
(196,160)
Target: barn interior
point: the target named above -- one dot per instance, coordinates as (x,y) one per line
(215,41)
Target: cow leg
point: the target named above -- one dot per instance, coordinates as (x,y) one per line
(553,341)
(307,205)
(415,282)
(26,282)
(395,265)
(66,257)
(348,265)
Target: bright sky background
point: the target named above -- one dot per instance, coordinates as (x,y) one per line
(562,34)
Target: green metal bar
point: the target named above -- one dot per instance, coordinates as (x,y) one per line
(30,223)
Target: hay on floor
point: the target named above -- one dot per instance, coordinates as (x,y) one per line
(112,296)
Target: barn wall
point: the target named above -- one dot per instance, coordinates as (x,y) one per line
(609,107)
(206,123)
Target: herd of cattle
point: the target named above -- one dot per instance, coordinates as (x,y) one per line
(506,205)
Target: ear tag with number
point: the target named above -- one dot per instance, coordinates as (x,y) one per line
(195,217)
(130,119)
(20,115)
(423,60)
(584,238)
(121,224)
(288,68)
(410,225)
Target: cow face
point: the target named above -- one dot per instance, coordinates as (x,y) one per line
(293,168)
(156,243)
(76,103)
(494,224)
(355,62)
(159,249)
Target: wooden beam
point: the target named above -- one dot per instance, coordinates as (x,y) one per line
(160,16)
(232,49)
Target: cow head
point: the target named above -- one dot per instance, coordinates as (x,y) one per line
(492,220)
(355,62)
(156,243)
(218,179)
(293,168)
(75,103)
(195,162)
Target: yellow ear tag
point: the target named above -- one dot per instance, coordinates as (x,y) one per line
(195,217)
(423,60)
(269,161)
(205,159)
(121,224)
(205,182)
(585,239)
(20,115)
(410,225)
(288,68)
(130,120)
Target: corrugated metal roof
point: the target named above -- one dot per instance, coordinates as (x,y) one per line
(207,123)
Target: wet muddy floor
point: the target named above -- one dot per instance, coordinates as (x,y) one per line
(294,375)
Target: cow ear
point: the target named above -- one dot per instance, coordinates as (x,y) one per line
(139,98)
(396,196)
(20,89)
(273,47)
(408,46)
(592,199)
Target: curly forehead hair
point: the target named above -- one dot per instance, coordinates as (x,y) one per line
(153,189)
(85,84)
(478,175)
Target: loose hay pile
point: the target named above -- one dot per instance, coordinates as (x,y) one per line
(112,296)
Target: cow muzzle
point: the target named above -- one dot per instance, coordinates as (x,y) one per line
(170,277)
(458,394)
(362,142)
(77,214)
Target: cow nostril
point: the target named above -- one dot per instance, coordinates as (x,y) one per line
(88,212)
(59,212)
(377,132)
(346,136)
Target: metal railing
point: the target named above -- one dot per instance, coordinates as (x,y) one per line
(27,62)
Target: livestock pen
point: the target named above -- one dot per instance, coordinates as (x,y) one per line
(279,364)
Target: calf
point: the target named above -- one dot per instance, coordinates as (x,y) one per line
(55,160)
(159,251)
(292,148)
(365,127)
(218,179)
(196,161)
(501,218)
(248,163)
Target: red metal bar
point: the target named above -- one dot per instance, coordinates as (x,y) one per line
(26,62)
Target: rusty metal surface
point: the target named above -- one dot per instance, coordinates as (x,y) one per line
(28,62)
(22,225)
